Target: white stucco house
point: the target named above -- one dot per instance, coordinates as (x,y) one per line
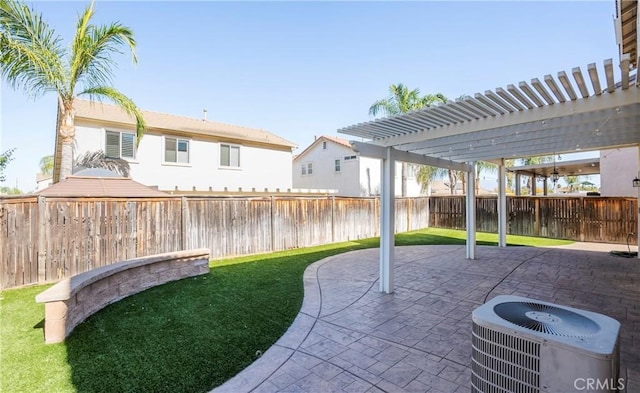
(182,153)
(330,163)
(618,168)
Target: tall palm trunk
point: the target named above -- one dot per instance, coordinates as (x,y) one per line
(67,134)
(453,181)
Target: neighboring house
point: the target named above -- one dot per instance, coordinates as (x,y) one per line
(183,153)
(618,168)
(330,163)
(43,181)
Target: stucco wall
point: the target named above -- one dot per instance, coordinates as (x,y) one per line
(352,179)
(260,167)
(618,168)
(324,175)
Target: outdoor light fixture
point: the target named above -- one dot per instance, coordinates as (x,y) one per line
(554,175)
(636,181)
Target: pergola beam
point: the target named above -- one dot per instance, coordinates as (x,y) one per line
(380,152)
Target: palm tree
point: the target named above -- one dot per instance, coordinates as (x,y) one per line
(46,165)
(402,100)
(5,159)
(486,167)
(426,174)
(33,59)
(572,183)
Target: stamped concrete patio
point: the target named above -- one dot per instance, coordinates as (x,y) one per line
(348,337)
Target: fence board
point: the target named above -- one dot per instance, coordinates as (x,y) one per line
(355,218)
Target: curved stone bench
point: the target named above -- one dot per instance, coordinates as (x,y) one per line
(74,299)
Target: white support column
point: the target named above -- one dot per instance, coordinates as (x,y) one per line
(387,222)
(533,185)
(471,211)
(502,205)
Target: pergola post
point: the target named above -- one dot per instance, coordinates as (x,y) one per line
(533,185)
(471,211)
(387,222)
(502,205)
(545,192)
(518,187)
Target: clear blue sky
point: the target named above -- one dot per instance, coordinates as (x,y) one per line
(300,69)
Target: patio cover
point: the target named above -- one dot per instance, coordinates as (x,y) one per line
(552,116)
(587,166)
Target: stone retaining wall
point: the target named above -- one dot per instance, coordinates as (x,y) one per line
(72,300)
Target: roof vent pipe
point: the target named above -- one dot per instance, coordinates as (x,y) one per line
(204,115)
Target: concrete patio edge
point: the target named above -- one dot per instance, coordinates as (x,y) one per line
(259,371)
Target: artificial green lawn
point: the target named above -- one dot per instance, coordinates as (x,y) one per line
(185,336)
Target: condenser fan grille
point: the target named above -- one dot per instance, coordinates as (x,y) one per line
(547,319)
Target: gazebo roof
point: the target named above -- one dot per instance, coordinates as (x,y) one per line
(572,112)
(100,186)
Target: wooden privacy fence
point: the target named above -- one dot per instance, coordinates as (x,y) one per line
(47,239)
(586,219)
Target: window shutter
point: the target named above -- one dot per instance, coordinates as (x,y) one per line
(234,159)
(112,145)
(169,150)
(224,155)
(128,146)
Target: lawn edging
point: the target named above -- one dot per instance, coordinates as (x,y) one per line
(74,299)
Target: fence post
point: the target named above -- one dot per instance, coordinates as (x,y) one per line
(42,241)
(536,223)
(183,218)
(581,217)
(333,218)
(272,224)
(429,224)
(408,214)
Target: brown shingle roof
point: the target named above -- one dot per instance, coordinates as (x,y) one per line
(161,121)
(337,140)
(334,139)
(120,187)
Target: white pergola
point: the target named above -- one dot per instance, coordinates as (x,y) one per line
(575,111)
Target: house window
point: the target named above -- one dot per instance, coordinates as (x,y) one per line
(336,165)
(307,168)
(324,145)
(347,158)
(119,145)
(230,156)
(176,150)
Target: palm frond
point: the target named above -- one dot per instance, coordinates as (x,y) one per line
(125,103)
(386,107)
(402,100)
(30,51)
(427,174)
(97,159)
(92,49)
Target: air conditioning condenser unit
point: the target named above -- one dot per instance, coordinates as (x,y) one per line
(523,345)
